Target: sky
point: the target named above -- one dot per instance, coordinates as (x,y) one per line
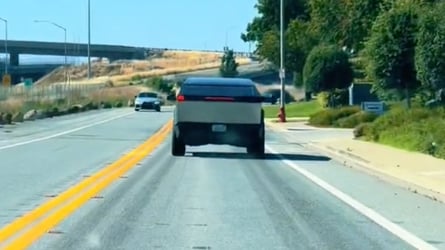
(179,24)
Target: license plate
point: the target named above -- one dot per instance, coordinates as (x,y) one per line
(219,128)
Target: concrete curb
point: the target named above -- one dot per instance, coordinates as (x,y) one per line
(354,161)
(274,126)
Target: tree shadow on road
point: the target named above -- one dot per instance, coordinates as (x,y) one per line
(267,156)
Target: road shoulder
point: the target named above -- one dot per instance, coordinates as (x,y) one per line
(416,172)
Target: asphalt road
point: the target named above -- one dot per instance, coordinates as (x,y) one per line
(213,198)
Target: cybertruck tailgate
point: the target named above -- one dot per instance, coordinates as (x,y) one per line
(219,112)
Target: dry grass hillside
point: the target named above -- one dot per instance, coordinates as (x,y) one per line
(120,72)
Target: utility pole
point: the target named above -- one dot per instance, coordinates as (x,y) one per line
(282,75)
(89,39)
(65,44)
(6,44)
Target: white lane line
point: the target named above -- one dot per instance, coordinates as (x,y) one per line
(64,132)
(398,231)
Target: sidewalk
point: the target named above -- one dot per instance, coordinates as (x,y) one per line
(418,172)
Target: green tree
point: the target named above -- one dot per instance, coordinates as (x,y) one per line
(229,65)
(389,51)
(361,14)
(300,40)
(430,49)
(269,48)
(327,19)
(327,68)
(269,17)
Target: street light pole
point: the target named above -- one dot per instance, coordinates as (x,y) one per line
(89,39)
(6,44)
(65,45)
(282,113)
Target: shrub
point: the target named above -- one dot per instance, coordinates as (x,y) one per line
(51,112)
(109,83)
(323,99)
(425,136)
(398,117)
(339,96)
(329,116)
(136,78)
(362,129)
(355,119)
(158,83)
(17,117)
(75,109)
(119,104)
(7,118)
(107,105)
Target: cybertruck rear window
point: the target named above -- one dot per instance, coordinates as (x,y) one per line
(219,90)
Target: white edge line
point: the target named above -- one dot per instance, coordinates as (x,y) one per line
(64,132)
(398,231)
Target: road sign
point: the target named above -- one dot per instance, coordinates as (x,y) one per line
(374,107)
(28,82)
(6,80)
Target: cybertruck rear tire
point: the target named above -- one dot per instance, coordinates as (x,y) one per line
(257,148)
(178,147)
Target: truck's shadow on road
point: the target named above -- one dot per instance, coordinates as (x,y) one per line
(267,156)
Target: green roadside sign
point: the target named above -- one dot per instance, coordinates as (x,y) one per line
(28,82)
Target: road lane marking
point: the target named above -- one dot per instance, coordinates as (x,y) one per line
(24,231)
(377,218)
(65,132)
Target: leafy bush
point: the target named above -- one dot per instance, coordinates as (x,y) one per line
(340,97)
(7,118)
(355,119)
(74,109)
(323,99)
(329,116)
(398,117)
(119,104)
(418,129)
(52,111)
(425,136)
(362,129)
(91,106)
(159,84)
(17,117)
(136,78)
(107,105)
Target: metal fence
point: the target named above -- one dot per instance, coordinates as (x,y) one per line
(49,92)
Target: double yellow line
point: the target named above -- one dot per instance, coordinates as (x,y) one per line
(24,231)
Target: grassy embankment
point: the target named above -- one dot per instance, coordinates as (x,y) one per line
(45,100)
(418,130)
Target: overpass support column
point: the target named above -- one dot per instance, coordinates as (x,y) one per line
(13,59)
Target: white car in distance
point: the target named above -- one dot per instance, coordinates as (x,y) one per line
(147,101)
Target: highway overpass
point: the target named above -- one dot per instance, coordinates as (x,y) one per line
(112,52)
